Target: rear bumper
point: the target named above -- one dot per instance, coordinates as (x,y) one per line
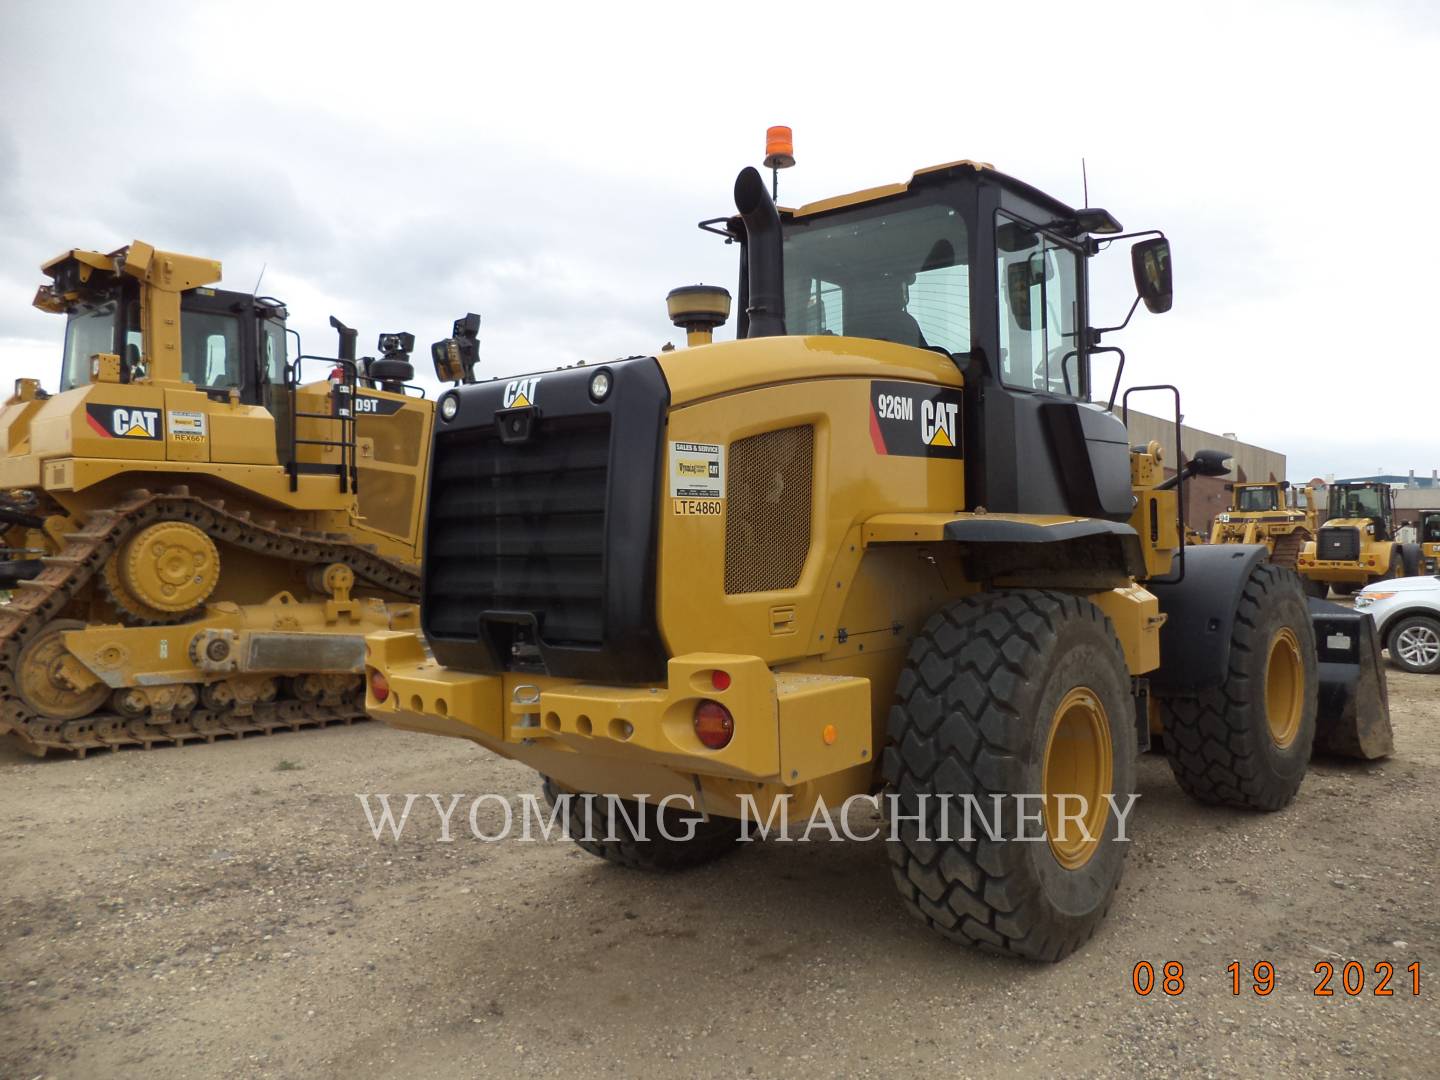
(1346,571)
(790,728)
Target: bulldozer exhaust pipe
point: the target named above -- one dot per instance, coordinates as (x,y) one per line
(764,257)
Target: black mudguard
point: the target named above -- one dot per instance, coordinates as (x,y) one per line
(1353,703)
(1199,615)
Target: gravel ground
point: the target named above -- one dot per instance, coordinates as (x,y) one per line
(225,911)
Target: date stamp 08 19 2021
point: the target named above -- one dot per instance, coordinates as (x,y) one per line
(1350,979)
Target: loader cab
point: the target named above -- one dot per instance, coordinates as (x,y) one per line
(987,271)
(1370,501)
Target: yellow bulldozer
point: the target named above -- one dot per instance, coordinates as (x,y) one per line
(1265,513)
(196,538)
(1356,544)
(889,543)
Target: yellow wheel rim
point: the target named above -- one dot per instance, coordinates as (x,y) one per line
(1284,687)
(1079,772)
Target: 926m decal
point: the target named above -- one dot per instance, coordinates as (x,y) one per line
(915,420)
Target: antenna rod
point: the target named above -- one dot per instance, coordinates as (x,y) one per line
(256,291)
(1085,182)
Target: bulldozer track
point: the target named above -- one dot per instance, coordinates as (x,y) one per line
(1286,551)
(35,603)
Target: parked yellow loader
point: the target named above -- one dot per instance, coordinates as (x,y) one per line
(1356,544)
(885,541)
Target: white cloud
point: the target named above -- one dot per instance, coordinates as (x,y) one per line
(545,165)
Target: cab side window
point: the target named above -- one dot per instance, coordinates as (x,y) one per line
(1039,279)
(210,350)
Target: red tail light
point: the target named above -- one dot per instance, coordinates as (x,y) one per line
(714,725)
(720,680)
(379,686)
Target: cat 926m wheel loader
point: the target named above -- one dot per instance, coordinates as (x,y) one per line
(884,541)
(196,540)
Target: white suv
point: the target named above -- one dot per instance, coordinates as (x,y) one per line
(1407,617)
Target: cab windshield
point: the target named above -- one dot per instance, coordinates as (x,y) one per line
(892,273)
(1255,498)
(1356,503)
(1430,528)
(96,330)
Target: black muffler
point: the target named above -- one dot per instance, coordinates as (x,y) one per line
(764,256)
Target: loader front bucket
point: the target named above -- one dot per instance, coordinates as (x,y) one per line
(1353,715)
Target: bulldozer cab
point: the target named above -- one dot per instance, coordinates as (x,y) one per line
(1429,530)
(229,341)
(1369,501)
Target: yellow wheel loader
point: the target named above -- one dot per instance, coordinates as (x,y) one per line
(1261,513)
(1356,543)
(197,539)
(885,545)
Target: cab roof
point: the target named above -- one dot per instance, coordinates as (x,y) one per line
(932,174)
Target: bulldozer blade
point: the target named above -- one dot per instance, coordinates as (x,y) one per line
(1353,712)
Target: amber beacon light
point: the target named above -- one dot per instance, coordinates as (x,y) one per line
(779,154)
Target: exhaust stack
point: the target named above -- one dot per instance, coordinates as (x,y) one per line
(764,257)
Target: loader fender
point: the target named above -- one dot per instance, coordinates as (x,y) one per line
(1199,615)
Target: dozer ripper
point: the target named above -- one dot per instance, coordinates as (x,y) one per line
(1356,543)
(1261,513)
(884,544)
(196,540)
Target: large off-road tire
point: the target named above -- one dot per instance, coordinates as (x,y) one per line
(1414,644)
(1014,692)
(592,823)
(1396,567)
(1411,559)
(1247,742)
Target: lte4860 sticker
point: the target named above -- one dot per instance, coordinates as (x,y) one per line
(915,420)
(697,478)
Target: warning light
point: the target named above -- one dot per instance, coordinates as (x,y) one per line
(779,148)
(714,725)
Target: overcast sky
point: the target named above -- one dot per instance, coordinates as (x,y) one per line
(400,164)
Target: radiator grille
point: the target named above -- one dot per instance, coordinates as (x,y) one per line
(768,509)
(520,528)
(1339,543)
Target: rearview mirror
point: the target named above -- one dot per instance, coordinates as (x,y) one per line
(1020,279)
(1150,261)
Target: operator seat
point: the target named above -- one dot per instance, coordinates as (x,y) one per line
(883,317)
